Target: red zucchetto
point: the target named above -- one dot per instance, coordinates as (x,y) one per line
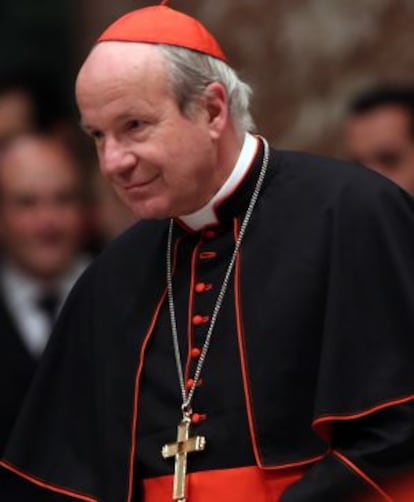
(160,24)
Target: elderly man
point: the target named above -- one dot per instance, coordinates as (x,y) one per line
(266,309)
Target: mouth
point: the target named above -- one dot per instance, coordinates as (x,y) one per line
(139,185)
(50,239)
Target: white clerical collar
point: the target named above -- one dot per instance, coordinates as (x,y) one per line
(207,215)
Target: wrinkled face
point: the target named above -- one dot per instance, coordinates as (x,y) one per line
(40,210)
(160,162)
(382,140)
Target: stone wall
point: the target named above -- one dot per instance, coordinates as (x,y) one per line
(304,58)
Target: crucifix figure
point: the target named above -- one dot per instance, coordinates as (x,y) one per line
(179,450)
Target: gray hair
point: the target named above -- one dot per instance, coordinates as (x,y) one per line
(191,72)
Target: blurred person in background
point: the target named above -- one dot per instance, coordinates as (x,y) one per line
(379,133)
(17,111)
(41,218)
(31,102)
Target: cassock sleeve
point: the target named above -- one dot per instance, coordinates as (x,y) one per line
(16,489)
(364,407)
(371,460)
(58,416)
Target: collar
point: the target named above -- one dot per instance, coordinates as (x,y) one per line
(209,214)
(22,288)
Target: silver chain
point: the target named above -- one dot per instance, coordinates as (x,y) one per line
(187,397)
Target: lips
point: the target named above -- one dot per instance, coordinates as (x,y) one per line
(141,184)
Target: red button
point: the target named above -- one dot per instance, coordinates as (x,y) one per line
(209,234)
(189,383)
(200,287)
(198,320)
(195,353)
(207,255)
(196,418)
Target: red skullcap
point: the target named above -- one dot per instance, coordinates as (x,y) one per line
(160,24)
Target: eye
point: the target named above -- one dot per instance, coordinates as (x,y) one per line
(133,125)
(389,158)
(96,135)
(25,201)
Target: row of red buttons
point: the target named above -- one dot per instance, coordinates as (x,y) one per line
(199,320)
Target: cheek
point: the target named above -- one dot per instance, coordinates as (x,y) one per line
(70,220)
(179,178)
(19,223)
(410,160)
(120,194)
(192,164)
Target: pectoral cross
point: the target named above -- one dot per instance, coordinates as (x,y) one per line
(179,450)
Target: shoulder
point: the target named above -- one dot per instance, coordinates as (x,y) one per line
(136,241)
(336,180)
(324,169)
(126,257)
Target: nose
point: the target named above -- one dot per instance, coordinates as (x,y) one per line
(114,158)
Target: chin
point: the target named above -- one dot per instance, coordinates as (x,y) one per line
(152,215)
(52,264)
(150,211)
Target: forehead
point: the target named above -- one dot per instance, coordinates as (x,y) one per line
(16,110)
(386,121)
(15,101)
(120,66)
(36,166)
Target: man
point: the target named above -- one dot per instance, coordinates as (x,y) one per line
(40,228)
(379,133)
(17,111)
(266,307)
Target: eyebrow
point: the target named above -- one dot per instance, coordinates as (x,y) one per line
(124,117)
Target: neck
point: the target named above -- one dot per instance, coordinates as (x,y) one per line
(228,151)
(42,278)
(207,214)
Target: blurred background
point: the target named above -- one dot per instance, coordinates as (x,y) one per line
(308,62)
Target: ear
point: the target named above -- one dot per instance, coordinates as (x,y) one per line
(216,106)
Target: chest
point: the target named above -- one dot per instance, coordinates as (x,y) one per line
(219,400)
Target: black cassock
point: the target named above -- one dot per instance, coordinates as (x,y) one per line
(17,367)
(311,364)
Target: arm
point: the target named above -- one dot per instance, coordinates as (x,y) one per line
(368,459)
(17,489)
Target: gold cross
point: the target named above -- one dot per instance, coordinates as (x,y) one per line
(179,450)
